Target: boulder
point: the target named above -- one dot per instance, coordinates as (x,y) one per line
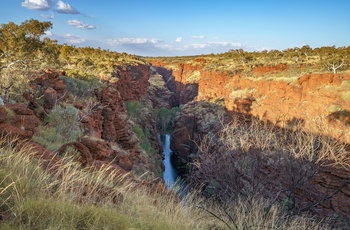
(18,121)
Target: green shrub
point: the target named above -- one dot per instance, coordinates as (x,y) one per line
(134,109)
(62,126)
(144,137)
(165,119)
(79,87)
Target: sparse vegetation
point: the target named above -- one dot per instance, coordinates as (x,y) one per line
(286,65)
(13,83)
(144,138)
(194,78)
(81,88)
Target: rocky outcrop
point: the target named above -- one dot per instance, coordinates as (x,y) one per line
(17,120)
(108,136)
(45,93)
(94,151)
(115,126)
(300,186)
(132,81)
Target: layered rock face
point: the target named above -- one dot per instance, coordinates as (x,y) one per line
(107,119)
(161,89)
(321,97)
(108,137)
(107,123)
(132,81)
(182,80)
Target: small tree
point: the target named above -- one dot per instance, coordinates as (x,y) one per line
(336,62)
(21,50)
(306,50)
(21,43)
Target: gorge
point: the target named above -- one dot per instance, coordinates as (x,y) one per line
(263,111)
(249,135)
(260,138)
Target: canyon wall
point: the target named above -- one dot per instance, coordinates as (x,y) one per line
(320,102)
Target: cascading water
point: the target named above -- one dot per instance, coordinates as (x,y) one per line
(172,180)
(169,175)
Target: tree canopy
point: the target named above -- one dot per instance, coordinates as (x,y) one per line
(22,44)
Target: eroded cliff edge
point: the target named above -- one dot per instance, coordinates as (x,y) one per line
(279,100)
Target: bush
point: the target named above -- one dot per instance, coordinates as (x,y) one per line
(165,119)
(62,126)
(136,110)
(13,83)
(144,137)
(81,88)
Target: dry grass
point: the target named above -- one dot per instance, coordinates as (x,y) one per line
(78,198)
(298,142)
(13,82)
(255,168)
(257,213)
(194,78)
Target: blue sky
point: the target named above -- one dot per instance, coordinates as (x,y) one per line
(185,27)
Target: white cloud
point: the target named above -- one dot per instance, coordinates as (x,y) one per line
(73,39)
(80,25)
(128,41)
(196,46)
(199,37)
(213,45)
(179,39)
(48,16)
(231,44)
(38,4)
(64,8)
(48,33)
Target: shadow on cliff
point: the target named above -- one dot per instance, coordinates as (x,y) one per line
(228,155)
(181,93)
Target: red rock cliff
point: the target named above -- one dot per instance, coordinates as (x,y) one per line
(314,97)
